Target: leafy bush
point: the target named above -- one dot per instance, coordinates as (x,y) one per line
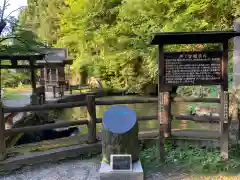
(193,159)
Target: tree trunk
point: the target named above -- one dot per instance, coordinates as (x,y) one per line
(2,26)
(126,143)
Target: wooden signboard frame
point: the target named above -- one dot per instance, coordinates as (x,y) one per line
(164,94)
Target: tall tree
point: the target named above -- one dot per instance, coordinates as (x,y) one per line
(112,37)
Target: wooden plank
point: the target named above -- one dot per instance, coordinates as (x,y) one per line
(44,107)
(44,127)
(197,118)
(28,66)
(22,57)
(126,101)
(74,104)
(196,134)
(206,100)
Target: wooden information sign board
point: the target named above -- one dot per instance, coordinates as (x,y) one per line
(192,68)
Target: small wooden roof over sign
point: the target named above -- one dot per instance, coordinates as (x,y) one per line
(193,37)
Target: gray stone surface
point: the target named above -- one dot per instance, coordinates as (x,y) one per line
(63,170)
(106,172)
(76,169)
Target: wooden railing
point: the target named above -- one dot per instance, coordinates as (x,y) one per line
(40,99)
(91,121)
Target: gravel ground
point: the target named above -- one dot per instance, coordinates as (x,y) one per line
(71,170)
(88,170)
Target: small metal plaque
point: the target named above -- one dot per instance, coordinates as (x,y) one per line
(121,162)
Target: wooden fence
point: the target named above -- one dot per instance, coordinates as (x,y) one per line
(39,99)
(91,121)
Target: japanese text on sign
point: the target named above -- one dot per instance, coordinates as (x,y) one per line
(192,68)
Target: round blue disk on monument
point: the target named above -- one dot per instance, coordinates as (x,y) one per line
(119,119)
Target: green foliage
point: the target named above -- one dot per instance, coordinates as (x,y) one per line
(112,37)
(192,159)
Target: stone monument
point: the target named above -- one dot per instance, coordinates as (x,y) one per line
(120,145)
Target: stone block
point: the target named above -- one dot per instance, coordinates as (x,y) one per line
(106,172)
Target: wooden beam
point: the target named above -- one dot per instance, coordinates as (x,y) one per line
(206,100)
(64,62)
(198,118)
(44,127)
(28,66)
(44,107)
(22,57)
(126,101)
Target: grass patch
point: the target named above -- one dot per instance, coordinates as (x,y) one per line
(8,95)
(82,91)
(192,160)
(22,88)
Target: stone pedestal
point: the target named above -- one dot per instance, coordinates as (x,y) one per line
(106,173)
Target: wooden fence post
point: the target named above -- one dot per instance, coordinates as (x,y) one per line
(2,134)
(54,91)
(167,104)
(224,115)
(91,109)
(169,115)
(161,108)
(238,119)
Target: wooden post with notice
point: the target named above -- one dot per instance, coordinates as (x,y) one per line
(162,100)
(91,113)
(190,68)
(2,134)
(224,98)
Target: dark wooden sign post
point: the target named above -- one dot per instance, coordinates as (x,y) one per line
(192,68)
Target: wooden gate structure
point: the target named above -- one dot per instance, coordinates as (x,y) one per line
(192,68)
